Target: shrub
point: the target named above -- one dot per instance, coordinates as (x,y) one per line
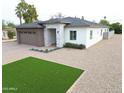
(46,50)
(72,45)
(117,27)
(10,34)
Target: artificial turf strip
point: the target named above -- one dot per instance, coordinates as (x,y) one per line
(33,75)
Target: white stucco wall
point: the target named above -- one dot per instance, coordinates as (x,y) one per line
(51,36)
(96,36)
(81,35)
(63,35)
(59,34)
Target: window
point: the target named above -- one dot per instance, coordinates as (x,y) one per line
(73,35)
(29,32)
(101,32)
(91,34)
(33,32)
(20,32)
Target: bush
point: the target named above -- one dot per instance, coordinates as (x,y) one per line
(72,45)
(46,50)
(117,27)
(10,34)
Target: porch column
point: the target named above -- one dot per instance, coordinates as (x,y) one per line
(45,37)
(60,36)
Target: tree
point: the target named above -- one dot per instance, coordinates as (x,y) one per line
(10,34)
(26,11)
(3,24)
(30,15)
(20,9)
(104,22)
(19,14)
(10,24)
(117,27)
(6,24)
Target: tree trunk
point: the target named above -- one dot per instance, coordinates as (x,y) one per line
(20,20)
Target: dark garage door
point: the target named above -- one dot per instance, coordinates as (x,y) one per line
(30,36)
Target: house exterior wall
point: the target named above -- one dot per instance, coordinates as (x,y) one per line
(80,38)
(83,35)
(51,36)
(59,34)
(97,36)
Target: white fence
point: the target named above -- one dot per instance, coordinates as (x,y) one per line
(111,33)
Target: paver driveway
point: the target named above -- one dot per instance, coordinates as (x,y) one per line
(102,63)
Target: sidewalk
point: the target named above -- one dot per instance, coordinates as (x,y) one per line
(8,40)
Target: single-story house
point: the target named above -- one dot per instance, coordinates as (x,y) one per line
(59,31)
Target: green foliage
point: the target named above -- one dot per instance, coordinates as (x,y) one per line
(30,15)
(3,24)
(46,50)
(20,9)
(117,27)
(12,25)
(7,24)
(10,34)
(77,46)
(26,11)
(104,22)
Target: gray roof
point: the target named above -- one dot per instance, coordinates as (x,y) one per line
(69,21)
(74,22)
(31,25)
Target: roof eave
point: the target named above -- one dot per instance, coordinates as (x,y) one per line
(77,26)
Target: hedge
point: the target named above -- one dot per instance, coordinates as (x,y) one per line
(76,46)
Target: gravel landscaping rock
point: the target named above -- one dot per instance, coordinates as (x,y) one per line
(102,63)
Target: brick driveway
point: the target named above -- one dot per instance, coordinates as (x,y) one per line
(102,63)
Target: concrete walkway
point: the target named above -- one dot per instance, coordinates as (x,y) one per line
(102,63)
(9,40)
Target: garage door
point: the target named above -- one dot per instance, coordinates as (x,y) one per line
(28,37)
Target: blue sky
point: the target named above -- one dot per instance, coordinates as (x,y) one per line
(92,10)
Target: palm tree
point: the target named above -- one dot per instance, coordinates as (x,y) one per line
(26,11)
(21,9)
(19,13)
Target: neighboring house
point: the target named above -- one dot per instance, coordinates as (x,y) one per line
(5,32)
(4,35)
(60,31)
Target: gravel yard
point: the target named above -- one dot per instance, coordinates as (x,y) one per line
(102,63)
